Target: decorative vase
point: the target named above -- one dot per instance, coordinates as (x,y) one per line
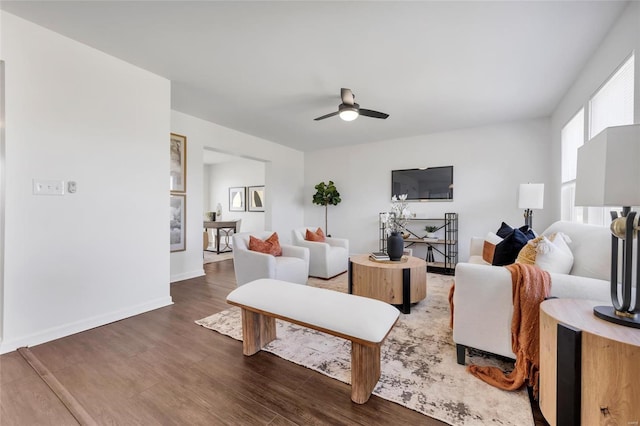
(395,246)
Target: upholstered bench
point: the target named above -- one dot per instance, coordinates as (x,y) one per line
(365,322)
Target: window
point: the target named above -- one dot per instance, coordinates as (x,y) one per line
(572,138)
(611,105)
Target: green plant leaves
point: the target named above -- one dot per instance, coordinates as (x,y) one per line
(326,194)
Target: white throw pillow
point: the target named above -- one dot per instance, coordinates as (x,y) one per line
(554,256)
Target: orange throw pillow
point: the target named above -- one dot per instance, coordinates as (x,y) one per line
(488,251)
(269,246)
(315,236)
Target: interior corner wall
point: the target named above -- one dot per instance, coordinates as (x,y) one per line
(241,172)
(81,260)
(620,42)
(284,174)
(489,164)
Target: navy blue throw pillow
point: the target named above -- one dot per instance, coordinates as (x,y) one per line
(507,250)
(528,232)
(505,230)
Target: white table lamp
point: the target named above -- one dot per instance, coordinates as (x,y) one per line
(530,196)
(608,174)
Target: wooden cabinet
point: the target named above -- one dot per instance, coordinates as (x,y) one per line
(442,252)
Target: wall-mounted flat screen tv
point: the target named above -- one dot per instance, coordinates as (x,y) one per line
(433,183)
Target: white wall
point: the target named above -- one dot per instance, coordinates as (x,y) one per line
(622,40)
(81,260)
(222,176)
(489,164)
(188,263)
(283,183)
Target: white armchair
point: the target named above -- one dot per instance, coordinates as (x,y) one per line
(292,266)
(326,259)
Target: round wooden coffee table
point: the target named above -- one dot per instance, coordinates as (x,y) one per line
(398,283)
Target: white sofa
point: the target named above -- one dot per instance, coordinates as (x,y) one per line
(292,266)
(482,299)
(326,259)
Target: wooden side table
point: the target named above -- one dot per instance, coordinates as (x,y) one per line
(397,283)
(607,365)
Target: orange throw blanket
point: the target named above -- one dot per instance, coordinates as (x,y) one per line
(530,286)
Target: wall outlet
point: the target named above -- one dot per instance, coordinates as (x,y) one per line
(48,187)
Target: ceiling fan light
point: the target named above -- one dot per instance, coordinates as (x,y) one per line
(348,114)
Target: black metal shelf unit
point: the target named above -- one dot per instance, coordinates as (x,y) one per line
(446,247)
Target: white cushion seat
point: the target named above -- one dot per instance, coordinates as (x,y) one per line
(346,315)
(365,322)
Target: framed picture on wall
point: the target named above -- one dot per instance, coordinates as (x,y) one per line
(255,198)
(178,171)
(236,199)
(177,222)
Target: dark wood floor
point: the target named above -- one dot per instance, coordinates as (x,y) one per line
(161,368)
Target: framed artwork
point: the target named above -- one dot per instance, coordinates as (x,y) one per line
(177,222)
(255,198)
(236,199)
(178,173)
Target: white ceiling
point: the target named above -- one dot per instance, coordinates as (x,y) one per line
(268,68)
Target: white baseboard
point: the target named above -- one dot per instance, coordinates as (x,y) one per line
(187,275)
(82,325)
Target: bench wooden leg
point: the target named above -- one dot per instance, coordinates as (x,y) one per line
(257,331)
(365,371)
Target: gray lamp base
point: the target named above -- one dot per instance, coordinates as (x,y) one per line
(607,313)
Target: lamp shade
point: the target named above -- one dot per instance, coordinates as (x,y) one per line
(531,196)
(608,172)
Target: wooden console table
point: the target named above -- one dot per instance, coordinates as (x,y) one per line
(226,227)
(601,360)
(397,283)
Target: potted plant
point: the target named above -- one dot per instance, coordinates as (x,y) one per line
(326,194)
(431,231)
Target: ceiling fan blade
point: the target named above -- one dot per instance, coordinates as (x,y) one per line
(347,96)
(374,114)
(327,116)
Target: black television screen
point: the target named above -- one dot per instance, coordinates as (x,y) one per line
(433,183)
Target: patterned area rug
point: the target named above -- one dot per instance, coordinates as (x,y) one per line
(419,369)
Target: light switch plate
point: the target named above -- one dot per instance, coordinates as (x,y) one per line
(48,187)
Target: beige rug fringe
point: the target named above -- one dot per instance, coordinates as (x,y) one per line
(72,404)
